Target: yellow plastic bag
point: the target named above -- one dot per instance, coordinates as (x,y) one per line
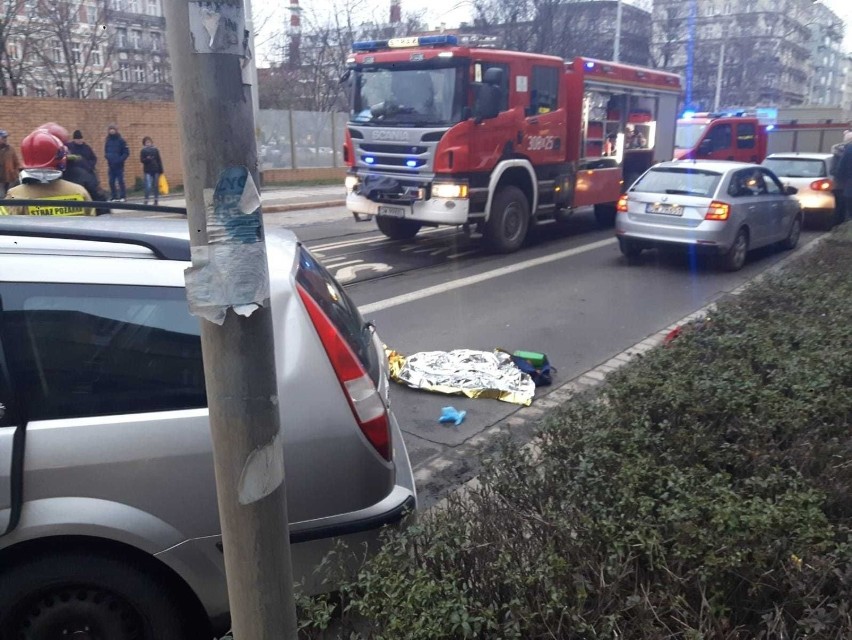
(163,185)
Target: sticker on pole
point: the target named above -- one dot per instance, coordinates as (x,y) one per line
(231,271)
(218,27)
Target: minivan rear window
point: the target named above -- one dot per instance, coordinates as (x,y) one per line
(796,167)
(686,181)
(340,309)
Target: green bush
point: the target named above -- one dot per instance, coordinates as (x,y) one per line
(704,492)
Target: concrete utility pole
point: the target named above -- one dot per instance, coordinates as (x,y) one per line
(719,74)
(228,287)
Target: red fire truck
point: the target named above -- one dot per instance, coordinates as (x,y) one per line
(748,137)
(447,134)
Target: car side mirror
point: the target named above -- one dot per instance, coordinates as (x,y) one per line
(790,191)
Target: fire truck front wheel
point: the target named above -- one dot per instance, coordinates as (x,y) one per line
(507,225)
(396,228)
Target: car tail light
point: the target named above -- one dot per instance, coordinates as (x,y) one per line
(718,211)
(363,397)
(621,205)
(822,185)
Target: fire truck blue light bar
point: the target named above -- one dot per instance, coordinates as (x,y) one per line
(445,40)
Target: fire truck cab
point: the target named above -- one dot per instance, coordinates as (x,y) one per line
(748,136)
(443,133)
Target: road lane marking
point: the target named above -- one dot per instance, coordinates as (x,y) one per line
(453,256)
(335,265)
(379,239)
(348,274)
(428,292)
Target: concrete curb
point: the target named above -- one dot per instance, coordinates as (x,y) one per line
(589,380)
(301,206)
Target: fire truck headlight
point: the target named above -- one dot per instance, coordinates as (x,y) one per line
(449,190)
(351,183)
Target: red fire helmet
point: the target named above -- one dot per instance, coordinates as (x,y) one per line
(43,150)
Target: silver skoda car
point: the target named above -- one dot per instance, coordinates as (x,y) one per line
(109,526)
(720,207)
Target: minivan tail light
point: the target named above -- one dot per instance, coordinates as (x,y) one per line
(621,205)
(822,185)
(718,211)
(363,397)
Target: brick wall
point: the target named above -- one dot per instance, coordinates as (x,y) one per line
(135,120)
(19,116)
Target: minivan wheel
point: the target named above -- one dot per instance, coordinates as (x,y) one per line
(735,258)
(85,597)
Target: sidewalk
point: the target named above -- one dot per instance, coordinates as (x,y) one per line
(282,199)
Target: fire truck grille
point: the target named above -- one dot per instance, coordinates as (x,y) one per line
(397,152)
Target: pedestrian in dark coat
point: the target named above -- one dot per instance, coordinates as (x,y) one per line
(152,165)
(116,153)
(78,147)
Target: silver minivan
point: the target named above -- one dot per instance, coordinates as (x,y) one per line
(109,526)
(724,208)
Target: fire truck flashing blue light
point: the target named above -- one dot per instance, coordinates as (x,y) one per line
(369,159)
(770,127)
(590,65)
(411,163)
(399,43)
(688,114)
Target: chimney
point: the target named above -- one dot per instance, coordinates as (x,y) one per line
(395,12)
(295,33)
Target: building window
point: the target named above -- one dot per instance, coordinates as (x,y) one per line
(156,41)
(153,7)
(100,91)
(41,92)
(133,6)
(136,39)
(60,90)
(97,60)
(727,10)
(21,91)
(56,50)
(121,36)
(14,50)
(156,75)
(139,73)
(117,5)
(124,72)
(75,52)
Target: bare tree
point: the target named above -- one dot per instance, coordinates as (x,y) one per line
(15,30)
(74,46)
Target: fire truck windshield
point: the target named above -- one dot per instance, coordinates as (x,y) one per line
(688,134)
(421,95)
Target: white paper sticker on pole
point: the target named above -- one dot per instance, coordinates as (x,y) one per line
(218,27)
(231,271)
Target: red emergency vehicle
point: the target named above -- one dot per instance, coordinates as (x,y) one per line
(448,134)
(749,138)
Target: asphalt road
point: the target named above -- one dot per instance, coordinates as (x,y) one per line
(569,293)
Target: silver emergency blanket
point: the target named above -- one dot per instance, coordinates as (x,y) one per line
(475,374)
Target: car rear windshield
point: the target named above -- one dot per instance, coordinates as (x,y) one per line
(340,309)
(685,181)
(796,167)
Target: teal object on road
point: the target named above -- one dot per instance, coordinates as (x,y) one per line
(451,414)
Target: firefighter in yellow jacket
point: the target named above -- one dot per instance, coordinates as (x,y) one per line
(44,157)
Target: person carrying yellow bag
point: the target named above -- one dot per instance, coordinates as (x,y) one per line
(152,165)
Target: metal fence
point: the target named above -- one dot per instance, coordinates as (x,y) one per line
(300,139)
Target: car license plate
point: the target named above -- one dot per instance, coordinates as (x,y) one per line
(665,209)
(392,212)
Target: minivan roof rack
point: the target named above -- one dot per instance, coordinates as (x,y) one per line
(163,247)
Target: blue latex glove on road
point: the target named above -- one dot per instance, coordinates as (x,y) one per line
(451,414)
